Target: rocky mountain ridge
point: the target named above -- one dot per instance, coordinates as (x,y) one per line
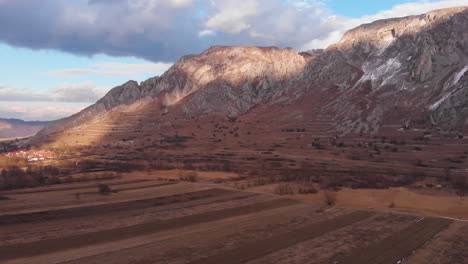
(397,72)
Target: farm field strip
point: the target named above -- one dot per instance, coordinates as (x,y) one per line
(58,244)
(330,246)
(109,207)
(399,245)
(135,187)
(26,233)
(69,188)
(192,243)
(264,247)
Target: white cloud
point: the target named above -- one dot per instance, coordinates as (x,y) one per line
(41,111)
(206,32)
(342,24)
(85,92)
(255,34)
(180,3)
(116,69)
(415,8)
(164,30)
(232,16)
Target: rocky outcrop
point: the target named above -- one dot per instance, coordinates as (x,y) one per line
(409,64)
(394,71)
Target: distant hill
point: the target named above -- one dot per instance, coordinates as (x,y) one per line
(13,128)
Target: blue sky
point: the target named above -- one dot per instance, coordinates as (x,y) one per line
(360,8)
(59,56)
(27,68)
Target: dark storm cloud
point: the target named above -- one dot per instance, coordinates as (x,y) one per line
(158,30)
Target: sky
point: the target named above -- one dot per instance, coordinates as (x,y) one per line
(59,56)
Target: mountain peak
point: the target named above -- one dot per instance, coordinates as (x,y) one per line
(386,73)
(382,32)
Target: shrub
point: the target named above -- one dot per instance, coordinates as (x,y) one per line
(191,176)
(261,181)
(419,163)
(329,198)
(104,189)
(284,188)
(460,183)
(307,190)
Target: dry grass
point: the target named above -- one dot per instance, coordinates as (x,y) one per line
(284,189)
(190,176)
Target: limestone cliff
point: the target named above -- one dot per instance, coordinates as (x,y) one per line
(399,71)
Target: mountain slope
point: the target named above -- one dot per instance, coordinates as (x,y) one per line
(385,106)
(391,98)
(11,128)
(396,71)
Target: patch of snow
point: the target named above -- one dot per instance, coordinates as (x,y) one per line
(383,73)
(436,104)
(382,48)
(460,74)
(456,79)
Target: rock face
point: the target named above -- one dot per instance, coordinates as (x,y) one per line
(412,65)
(393,72)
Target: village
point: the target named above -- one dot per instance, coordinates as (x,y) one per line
(32,155)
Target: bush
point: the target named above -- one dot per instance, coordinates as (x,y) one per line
(420,163)
(460,183)
(188,176)
(104,189)
(307,190)
(329,198)
(284,188)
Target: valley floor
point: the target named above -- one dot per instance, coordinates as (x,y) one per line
(152,219)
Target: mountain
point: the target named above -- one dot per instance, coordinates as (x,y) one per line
(403,79)
(13,128)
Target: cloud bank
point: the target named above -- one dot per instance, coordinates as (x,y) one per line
(39,111)
(84,92)
(113,69)
(164,30)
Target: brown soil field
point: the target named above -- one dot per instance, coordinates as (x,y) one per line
(108,208)
(30,232)
(398,246)
(52,245)
(263,247)
(328,247)
(151,221)
(60,187)
(32,202)
(449,247)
